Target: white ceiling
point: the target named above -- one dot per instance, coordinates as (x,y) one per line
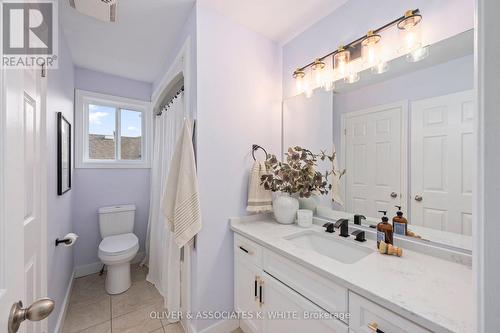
(279,20)
(136,46)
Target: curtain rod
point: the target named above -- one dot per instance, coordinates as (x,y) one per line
(170,101)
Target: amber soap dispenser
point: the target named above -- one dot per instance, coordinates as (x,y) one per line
(384,230)
(399,223)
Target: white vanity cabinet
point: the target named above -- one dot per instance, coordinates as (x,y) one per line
(276,307)
(285,297)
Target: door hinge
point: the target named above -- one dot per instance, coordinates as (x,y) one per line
(43,72)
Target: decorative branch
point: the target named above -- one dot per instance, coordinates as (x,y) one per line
(298,174)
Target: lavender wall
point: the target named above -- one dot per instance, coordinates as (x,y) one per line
(353,20)
(90,80)
(188,32)
(59,213)
(238,105)
(94,188)
(447,78)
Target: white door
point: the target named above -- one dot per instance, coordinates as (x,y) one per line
(22,196)
(442,160)
(374,153)
(287,311)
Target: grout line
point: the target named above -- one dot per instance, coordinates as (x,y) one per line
(111,313)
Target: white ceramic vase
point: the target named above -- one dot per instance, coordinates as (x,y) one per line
(285,208)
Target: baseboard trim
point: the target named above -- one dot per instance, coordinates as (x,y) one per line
(223,326)
(88,269)
(62,315)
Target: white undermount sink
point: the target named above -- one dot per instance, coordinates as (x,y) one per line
(331,245)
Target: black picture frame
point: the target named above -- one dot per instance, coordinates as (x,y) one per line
(63,154)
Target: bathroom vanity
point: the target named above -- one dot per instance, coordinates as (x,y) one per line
(294,279)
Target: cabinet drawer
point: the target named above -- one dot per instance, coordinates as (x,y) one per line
(323,292)
(363,312)
(248,250)
(280,300)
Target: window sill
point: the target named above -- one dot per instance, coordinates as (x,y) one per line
(113,165)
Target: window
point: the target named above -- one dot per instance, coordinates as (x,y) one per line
(112,132)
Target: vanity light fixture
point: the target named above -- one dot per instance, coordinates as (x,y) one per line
(371,53)
(370,48)
(299,76)
(409,26)
(318,69)
(411,33)
(341,61)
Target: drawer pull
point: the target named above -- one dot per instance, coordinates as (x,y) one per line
(256,288)
(374,328)
(245,250)
(261,289)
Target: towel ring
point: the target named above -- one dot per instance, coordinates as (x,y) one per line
(256,147)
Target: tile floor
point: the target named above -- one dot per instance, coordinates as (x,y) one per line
(92,310)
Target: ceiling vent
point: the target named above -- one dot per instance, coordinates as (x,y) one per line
(103,10)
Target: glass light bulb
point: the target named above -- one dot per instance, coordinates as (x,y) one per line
(318,69)
(299,76)
(299,84)
(370,49)
(410,31)
(341,62)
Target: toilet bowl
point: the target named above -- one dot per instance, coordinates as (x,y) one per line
(116,252)
(118,246)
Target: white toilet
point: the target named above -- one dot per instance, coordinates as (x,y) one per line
(118,246)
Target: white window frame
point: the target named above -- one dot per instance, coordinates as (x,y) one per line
(82,100)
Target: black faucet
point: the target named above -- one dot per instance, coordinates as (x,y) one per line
(342,224)
(358,218)
(360,235)
(329,227)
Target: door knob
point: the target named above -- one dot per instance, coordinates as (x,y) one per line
(418,198)
(37,311)
(394,195)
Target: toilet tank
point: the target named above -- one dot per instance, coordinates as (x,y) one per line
(116,220)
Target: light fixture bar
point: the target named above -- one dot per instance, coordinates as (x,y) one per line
(360,39)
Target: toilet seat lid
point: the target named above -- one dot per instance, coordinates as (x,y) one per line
(118,244)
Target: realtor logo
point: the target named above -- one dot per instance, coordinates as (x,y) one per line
(29,35)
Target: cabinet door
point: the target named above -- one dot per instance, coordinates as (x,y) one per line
(246,286)
(287,311)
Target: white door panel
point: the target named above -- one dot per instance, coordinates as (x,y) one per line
(23,191)
(374,153)
(442,162)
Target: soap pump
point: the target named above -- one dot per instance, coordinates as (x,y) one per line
(384,230)
(399,223)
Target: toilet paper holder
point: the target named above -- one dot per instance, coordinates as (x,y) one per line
(68,240)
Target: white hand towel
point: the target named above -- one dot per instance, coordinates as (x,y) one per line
(180,202)
(336,196)
(259,199)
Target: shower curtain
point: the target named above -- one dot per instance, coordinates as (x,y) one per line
(162,254)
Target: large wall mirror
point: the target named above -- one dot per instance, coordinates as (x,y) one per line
(405,138)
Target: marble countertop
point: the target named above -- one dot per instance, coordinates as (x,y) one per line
(434,293)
